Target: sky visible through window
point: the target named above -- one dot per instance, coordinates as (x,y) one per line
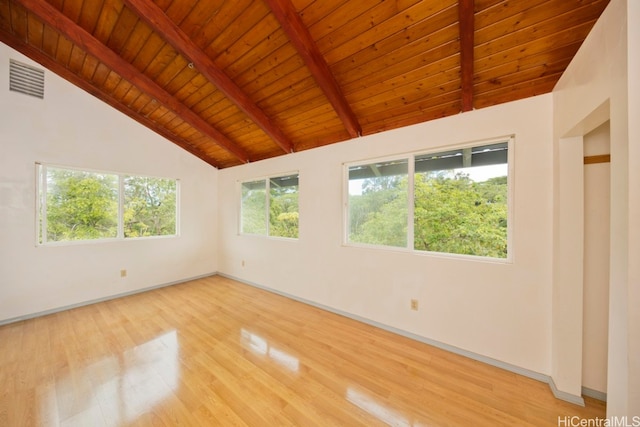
(477,174)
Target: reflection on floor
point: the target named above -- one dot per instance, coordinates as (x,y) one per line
(260,345)
(122,386)
(217,352)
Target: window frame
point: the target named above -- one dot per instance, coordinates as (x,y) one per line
(267,180)
(411,158)
(347,210)
(41,206)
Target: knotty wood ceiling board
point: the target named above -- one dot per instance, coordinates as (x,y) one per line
(246,80)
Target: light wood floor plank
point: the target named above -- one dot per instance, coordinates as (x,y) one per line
(217,352)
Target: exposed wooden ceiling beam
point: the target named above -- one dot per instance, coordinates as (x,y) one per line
(77,35)
(168,30)
(466,18)
(50,64)
(299,35)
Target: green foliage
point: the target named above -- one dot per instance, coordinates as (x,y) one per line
(81,205)
(149,206)
(379,215)
(283,211)
(452,214)
(254,205)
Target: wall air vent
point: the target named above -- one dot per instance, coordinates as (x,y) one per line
(26,79)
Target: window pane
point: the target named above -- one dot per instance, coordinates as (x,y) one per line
(378,206)
(254,207)
(461,201)
(81,205)
(149,206)
(283,206)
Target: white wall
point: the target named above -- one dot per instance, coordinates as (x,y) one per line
(596,262)
(498,310)
(527,313)
(72,128)
(600,83)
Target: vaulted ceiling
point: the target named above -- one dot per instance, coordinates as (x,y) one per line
(245,80)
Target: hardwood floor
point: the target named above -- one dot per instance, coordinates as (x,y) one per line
(217,352)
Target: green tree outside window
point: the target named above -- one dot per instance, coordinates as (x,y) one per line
(281,217)
(460,202)
(82,205)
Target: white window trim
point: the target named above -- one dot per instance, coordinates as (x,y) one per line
(267,179)
(410,156)
(41,184)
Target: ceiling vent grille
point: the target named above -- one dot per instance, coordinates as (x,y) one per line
(26,79)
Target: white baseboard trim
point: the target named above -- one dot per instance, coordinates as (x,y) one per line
(595,394)
(568,397)
(97,300)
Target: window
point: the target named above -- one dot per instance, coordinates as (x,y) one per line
(269,206)
(459,201)
(149,206)
(79,205)
(378,203)
(254,207)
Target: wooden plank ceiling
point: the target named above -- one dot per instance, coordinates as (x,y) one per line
(245,80)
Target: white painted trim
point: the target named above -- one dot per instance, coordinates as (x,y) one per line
(577,400)
(94,301)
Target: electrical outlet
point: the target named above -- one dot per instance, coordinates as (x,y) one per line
(414,304)
(123,273)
